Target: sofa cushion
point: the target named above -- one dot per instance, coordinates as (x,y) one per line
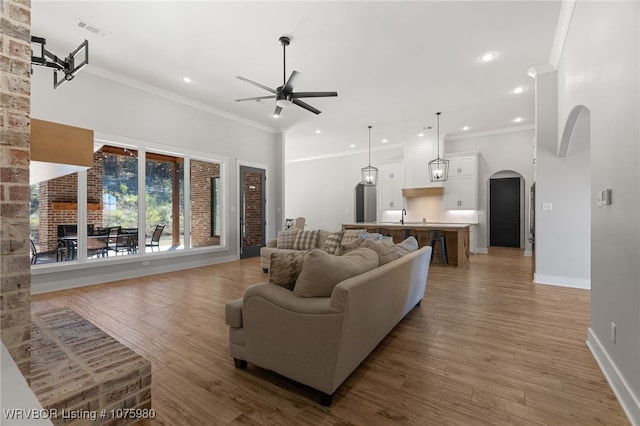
(351,234)
(287,238)
(385,249)
(285,268)
(306,240)
(407,246)
(233,313)
(321,272)
(332,242)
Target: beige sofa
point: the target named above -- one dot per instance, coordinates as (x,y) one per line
(319,341)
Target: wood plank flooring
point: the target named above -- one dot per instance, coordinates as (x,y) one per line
(485,347)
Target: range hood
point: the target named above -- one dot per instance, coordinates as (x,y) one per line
(58,150)
(423,192)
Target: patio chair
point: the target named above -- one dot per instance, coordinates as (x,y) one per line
(155,237)
(47,254)
(127,241)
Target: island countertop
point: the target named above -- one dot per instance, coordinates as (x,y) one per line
(456,236)
(408,225)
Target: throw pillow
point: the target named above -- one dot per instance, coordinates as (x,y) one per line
(287,238)
(386,250)
(333,242)
(345,248)
(321,272)
(407,246)
(351,234)
(306,240)
(285,268)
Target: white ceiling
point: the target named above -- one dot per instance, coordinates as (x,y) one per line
(393,64)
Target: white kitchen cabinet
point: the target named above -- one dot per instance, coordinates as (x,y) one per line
(461,189)
(390,187)
(416,160)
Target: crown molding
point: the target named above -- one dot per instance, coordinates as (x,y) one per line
(514,129)
(562,30)
(154,90)
(345,153)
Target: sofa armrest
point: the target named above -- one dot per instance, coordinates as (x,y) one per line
(272,243)
(285,299)
(233,313)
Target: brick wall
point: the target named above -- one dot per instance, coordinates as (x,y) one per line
(65,190)
(252,209)
(15,91)
(201,174)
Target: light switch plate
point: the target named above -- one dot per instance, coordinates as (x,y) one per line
(547,207)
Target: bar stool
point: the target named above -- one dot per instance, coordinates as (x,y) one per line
(435,237)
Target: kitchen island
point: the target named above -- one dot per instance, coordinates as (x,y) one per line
(456,236)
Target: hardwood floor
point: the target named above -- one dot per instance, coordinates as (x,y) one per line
(485,347)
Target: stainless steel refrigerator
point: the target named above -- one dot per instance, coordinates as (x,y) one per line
(365,198)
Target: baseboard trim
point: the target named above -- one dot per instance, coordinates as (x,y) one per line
(527,253)
(629,402)
(101,278)
(582,283)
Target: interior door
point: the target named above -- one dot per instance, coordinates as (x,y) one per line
(252,215)
(504,205)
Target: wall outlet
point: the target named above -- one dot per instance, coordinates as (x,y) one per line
(145,263)
(613,332)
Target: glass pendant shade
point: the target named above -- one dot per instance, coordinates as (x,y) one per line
(438,168)
(369,173)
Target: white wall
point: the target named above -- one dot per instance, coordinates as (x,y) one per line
(500,151)
(109,107)
(322,190)
(600,69)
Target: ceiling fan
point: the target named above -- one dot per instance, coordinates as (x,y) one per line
(284,95)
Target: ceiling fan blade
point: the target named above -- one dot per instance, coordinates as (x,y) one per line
(269,89)
(255,98)
(277,112)
(288,87)
(306,106)
(313,94)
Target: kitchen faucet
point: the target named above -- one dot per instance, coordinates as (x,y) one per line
(404,213)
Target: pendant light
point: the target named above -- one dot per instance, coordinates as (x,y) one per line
(438,168)
(369,173)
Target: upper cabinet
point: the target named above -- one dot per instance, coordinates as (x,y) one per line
(416,158)
(390,187)
(461,189)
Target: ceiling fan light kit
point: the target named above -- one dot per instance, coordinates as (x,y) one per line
(284,95)
(369,173)
(439,167)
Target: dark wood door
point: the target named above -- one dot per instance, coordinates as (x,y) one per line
(252,217)
(504,205)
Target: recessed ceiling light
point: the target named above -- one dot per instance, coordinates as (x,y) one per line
(488,57)
(517,120)
(186,80)
(352,146)
(420,135)
(465,128)
(276,115)
(384,141)
(518,90)
(318,131)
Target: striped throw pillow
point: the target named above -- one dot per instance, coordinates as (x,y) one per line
(333,242)
(306,240)
(287,238)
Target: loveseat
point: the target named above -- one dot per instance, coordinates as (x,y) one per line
(319,341)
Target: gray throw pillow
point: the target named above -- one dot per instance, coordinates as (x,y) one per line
(407,246)
(385,249)
(321,272)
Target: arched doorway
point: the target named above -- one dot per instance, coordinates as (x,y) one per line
(506,209)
